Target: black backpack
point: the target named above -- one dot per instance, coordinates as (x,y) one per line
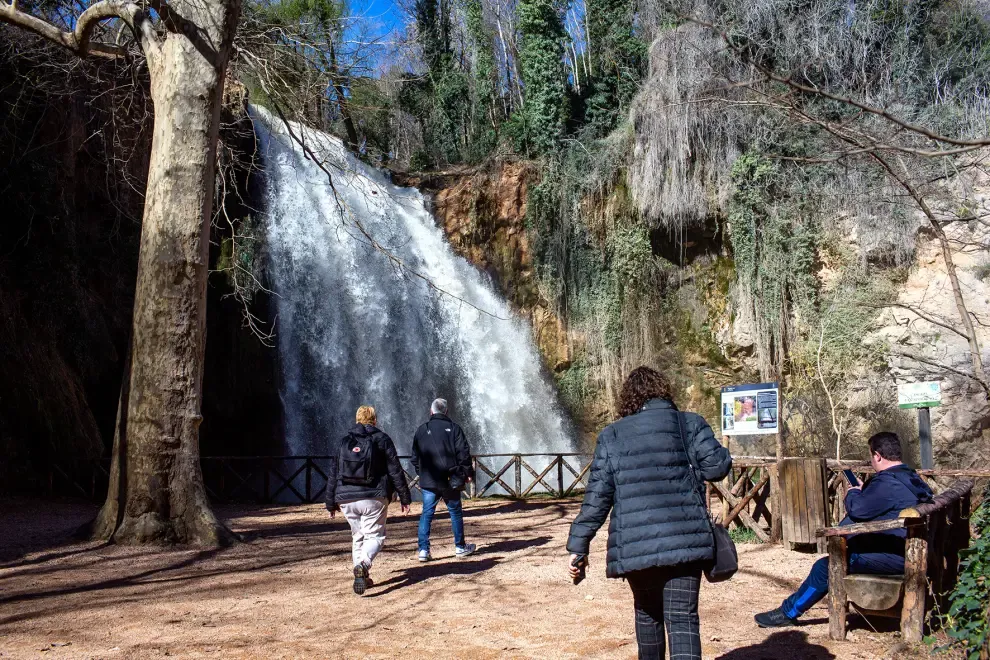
(357,460)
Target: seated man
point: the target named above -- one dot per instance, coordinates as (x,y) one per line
(892,489)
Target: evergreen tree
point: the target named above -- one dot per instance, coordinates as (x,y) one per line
(437,99)
(618,61)
(482,132)
(546,108)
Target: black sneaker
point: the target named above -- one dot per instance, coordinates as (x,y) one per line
(774,619)
(361,579)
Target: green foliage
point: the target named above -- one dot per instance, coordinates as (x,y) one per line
(630,254)
(966,621)
(482,132)
(741,535)
(618,58)
(546,107)
(775,240)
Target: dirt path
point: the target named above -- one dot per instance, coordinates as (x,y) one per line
(286,593)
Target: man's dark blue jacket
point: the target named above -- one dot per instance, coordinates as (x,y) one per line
(884,496)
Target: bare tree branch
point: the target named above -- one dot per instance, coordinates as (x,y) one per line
(847,100)
(78,40)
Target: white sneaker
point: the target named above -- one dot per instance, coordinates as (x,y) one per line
(468,549)
(424,555)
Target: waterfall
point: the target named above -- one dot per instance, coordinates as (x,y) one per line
(394,327)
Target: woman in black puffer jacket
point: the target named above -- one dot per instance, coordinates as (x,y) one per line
(659,537)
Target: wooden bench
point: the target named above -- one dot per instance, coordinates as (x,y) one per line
(936,532)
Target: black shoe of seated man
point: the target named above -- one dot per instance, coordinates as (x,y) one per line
(361,579)
(774,619)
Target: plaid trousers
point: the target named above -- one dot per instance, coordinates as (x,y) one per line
(667,595)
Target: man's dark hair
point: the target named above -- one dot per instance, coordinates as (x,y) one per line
(887,444)
(642,384)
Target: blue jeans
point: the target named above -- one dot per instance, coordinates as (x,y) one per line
(815,585)
(452,498)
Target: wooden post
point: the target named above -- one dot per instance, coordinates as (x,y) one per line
(838,606)
(776,531)
(474,482)
(560,476)
(518,484)
(925,438)
(915,584)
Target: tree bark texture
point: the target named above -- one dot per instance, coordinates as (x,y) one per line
(162,495)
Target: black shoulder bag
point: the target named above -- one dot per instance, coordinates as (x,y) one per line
(726,560)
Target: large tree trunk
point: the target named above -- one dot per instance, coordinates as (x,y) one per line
(157,492)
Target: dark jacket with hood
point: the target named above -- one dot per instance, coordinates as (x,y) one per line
(388,472)
(883,497)
(439,447)
(640,474)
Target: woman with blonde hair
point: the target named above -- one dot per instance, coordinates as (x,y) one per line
(364,471)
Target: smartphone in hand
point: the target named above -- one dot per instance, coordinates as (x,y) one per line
(851,478)
(580,563)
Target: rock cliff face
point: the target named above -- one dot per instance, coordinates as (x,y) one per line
(483,212)
(923,333)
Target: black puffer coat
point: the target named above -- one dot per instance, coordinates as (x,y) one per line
(438,447)
(387,469)
(640,474)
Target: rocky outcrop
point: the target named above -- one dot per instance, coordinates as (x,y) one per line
(483,212)
(926,344)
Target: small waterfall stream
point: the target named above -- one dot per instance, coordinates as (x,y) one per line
(356,327)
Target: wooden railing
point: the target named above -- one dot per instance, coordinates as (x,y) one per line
(744,498)
(302,479)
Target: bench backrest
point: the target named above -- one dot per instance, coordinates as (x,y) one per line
(946,530)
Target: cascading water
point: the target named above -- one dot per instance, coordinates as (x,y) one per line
(393,327)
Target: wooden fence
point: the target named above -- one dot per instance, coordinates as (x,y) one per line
(302,479)
(744,498)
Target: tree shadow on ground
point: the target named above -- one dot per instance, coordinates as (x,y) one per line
(432,570)
(56,535)
(786,644)
(511,545)
(515,506)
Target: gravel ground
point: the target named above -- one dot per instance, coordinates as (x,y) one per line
(286,593)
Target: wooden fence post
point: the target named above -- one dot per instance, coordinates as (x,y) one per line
(560,476)
(838,606)
(776,530)
(473,486)
(915,584)
(518,492)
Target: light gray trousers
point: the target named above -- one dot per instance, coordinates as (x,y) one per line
(367,521)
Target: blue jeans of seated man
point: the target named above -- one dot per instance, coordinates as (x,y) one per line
(815,586)
(452,498)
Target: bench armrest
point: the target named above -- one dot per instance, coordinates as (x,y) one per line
(862,528)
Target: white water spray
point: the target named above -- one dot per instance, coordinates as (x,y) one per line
(355,327)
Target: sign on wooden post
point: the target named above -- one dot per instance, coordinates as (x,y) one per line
(922,396)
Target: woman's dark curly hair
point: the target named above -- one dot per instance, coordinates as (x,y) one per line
(642,384)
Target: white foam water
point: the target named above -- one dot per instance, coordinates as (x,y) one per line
(358,326)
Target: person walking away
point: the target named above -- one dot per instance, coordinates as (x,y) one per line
(364,471)
(660,536)
(442,459)
(893,488)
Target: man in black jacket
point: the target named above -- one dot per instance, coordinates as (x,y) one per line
(892,489)
(364,471)
(442,458)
